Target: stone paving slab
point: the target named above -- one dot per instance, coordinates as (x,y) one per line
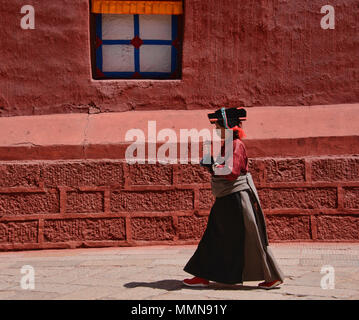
(156,273)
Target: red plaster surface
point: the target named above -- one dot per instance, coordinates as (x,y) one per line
(95,212)
(338,227)
(234,52)
(334,170)
(189,174)
(171,200)
(53,197)
(285,170)
(304,198)
(271,131)
(19,232)
(288,227)
(351,198)
(150,174)
(76,174)
(152,229)
(63,179)
(191,227)
(205,199)
(27,203)
(84,202)
(83,229)
(61,190)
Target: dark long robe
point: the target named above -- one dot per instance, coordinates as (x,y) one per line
(234,247)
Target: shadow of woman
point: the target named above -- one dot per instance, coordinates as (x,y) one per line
(173,285)
(168,284)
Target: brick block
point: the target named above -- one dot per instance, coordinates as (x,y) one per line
(148,174)
(338,227)
(280,227)
(18,232)
(152,228)
(84,229)
(351,198)
(85,201)
(286,170)
(303,198)
(88,173)
(151,200)
(192,174)
(206,199)
(255,168)
(29,203)
(191,227)
(19,175)
(343,169)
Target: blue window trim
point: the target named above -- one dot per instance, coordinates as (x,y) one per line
(136,20)
(174,49)
(99,36)
(129,75)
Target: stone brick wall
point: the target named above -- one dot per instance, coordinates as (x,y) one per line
(90,203)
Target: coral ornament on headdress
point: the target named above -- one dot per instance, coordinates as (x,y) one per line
(241,133)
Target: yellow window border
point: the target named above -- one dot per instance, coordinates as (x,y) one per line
(137,7)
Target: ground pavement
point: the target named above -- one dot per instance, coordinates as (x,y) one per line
(156,272)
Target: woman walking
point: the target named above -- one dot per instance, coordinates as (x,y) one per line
(234,247)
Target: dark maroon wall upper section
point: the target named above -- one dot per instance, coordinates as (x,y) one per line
(248,52)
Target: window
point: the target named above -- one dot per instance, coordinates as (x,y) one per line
(137,39)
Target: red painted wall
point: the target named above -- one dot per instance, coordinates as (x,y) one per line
(252,53)
(263,52)
(49,204)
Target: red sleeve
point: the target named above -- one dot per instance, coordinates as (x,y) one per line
(240,161)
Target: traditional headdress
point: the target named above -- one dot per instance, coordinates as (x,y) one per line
(230,118)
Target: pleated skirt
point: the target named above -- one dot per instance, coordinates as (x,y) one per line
(220,253)
(233,247)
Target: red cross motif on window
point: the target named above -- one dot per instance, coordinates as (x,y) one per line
(137,42)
